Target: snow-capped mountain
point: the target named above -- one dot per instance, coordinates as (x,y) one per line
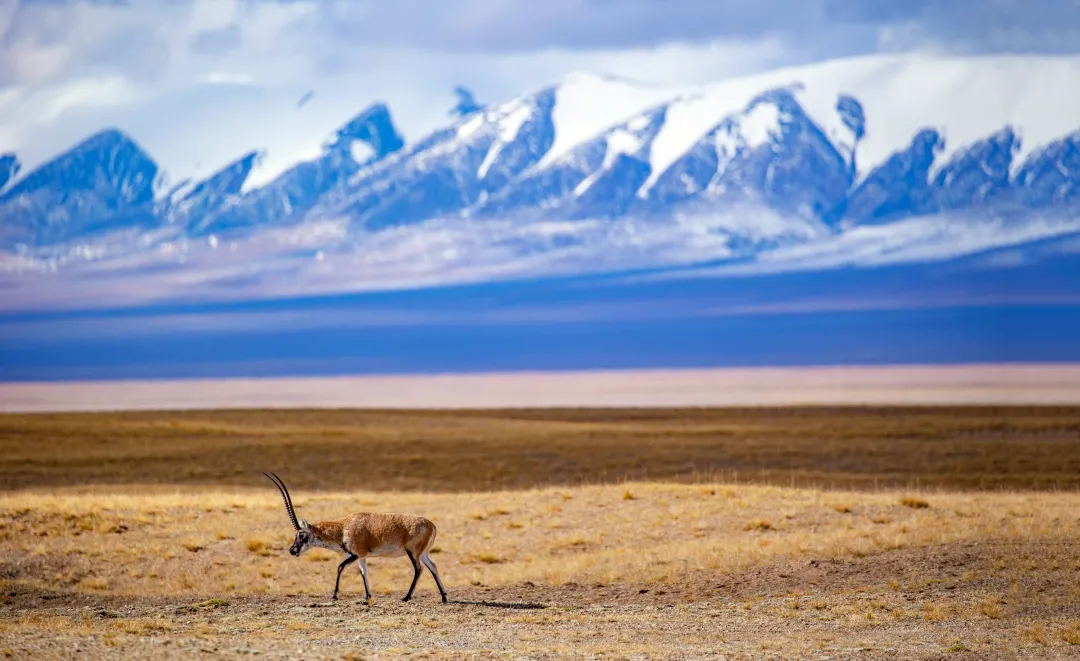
(105,182)
(448,171)
(9,167)
(365,139)
(737,169)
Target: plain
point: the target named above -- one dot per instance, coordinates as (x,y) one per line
(842,532)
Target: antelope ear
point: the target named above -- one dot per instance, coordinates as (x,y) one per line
(304,524)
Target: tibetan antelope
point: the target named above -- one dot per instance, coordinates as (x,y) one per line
(364,535)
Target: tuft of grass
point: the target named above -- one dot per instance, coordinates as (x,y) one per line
(96,583)
(318,555)
(1070,633)
(956,646)
(936,612)
(991,607)
(914,503)
(758,525)
(1035,633)
(627,495)
(574,543)
(257,546)
(143,626)
(487,558)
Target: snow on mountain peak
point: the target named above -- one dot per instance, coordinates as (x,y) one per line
(9,169)
(690,117)
(627,140)
(586,104)
(760,123)
(806,152)
(965,98)
(508,130)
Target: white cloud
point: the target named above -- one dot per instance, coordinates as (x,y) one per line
(226,78)
(85,93)
(201,113)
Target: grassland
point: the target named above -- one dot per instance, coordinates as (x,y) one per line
(469,451)
(757,533)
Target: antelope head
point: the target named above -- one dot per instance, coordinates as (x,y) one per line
(305,537)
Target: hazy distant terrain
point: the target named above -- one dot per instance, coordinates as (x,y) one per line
(975,384)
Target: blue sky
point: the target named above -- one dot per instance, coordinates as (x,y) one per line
(201,67)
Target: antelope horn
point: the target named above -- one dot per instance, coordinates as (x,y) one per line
(284,496)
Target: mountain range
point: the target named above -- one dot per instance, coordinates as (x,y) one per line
(897,153)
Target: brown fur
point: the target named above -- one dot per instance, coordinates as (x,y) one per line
(331,532)
(366,534)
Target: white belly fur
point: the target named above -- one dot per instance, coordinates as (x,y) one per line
(386,552)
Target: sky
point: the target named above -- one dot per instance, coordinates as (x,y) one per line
(182,74)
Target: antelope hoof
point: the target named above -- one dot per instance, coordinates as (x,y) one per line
(333,598)
(370,601)
(406,598)
(445,600)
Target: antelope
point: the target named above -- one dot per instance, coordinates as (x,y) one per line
(363,535)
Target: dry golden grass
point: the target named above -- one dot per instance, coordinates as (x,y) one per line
(99,549)
(601,589)
(171,546)
(955,447)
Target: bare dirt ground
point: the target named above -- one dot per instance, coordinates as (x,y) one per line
(153,535)
(906,604)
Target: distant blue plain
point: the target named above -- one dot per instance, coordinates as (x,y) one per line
(902,315)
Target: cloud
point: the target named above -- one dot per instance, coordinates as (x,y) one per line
(217,41)
(224,75)
(972,26)
(50,41)
(41,40)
